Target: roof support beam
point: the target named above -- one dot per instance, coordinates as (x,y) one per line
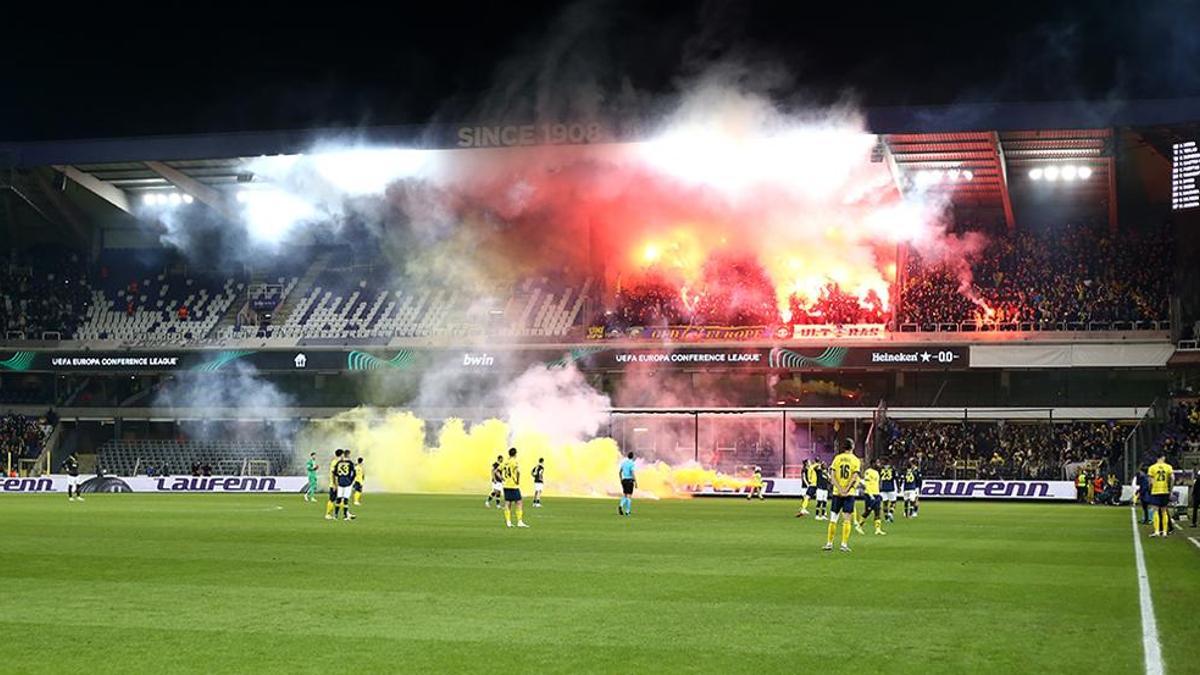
(106,191)
(1005,198)
(60,204)
(893,167)
(201,192)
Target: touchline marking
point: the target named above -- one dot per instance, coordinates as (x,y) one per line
(1194,542)
(1150,646)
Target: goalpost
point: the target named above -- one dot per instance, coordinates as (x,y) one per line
(256,467)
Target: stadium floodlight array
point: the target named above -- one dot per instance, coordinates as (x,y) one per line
(926,177)
(1066,172)
(167,199)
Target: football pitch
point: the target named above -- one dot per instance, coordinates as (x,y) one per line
(224,583)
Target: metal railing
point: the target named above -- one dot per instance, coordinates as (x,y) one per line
(1034,327)
(223,467)
(1141,438)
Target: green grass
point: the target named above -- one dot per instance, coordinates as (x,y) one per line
(222,583)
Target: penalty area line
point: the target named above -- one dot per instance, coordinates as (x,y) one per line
(1194,542)
(1150,644)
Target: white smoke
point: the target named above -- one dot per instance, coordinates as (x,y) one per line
(555,402)
(236,387)
(235,392)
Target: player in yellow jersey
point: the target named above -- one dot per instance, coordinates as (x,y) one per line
(511,475)
(810,486)
(844,473)
(359,475)
(756,484)
(1162,479)
(872,500)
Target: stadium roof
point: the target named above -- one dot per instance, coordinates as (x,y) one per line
(999,117)
(981,162)
(971,153)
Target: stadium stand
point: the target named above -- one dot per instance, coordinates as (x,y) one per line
(1076,277)
(131,457)
(42,294)
(740,456)
(150,303)
(1179,439)
(23,437)
(1008,449)
(367,304)
(1070,278)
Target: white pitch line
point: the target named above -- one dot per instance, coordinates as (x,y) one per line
(1194,542)
(1150,645)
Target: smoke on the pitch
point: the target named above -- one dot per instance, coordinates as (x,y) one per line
(545,412)
(233,403)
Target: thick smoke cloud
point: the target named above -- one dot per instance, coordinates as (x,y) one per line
(236,392)
(236,387)
(547,413)
(722,171)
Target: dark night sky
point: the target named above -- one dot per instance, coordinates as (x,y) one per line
(180,68)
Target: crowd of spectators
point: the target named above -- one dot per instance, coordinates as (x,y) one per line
(23,437)
(735,293)
(37,297)
(1180,434)
(837,306)
(1071,274)
(1008,449)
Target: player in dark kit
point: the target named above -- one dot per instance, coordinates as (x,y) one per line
(539,476)
(809,473)
(337,455)
(887,489)
(342,475)
(497,493)
(912,489)
(822,492)
(70,466)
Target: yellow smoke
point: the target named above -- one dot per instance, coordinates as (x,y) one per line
(399,458)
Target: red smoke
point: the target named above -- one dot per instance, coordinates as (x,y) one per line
(733,215)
